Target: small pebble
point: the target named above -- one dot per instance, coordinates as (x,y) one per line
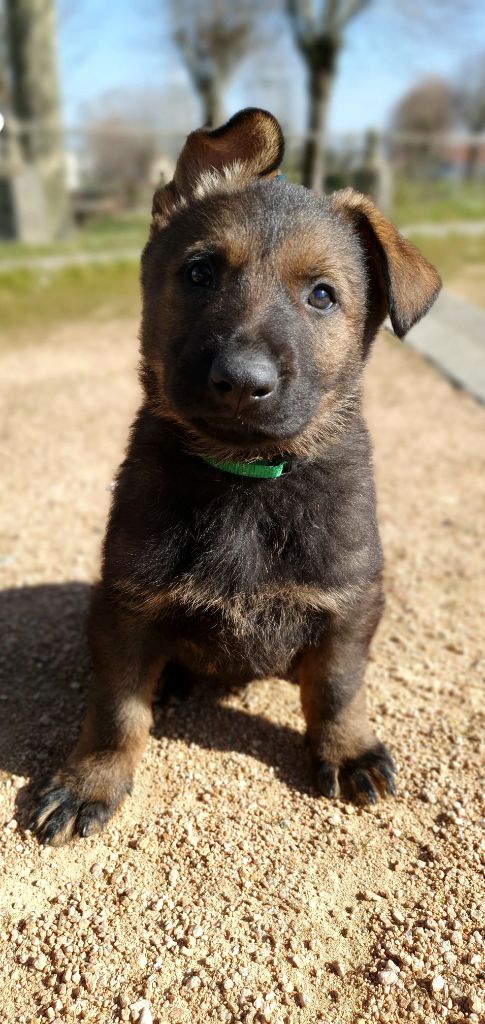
(387,977)
(89,982)
(194,982)
(303,998)
(374,897)
(141,1012)
(339,968)
(474,1004)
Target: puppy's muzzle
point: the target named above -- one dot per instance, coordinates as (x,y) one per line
(242,381)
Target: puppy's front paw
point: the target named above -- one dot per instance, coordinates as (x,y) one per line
(361,779)
(78,801)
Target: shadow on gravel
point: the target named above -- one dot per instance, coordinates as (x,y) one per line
(193,713)
(44,671)
(44,667)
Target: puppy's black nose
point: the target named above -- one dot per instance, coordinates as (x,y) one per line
(240,380)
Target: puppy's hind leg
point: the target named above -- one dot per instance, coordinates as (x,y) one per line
(348,757)
(82,796)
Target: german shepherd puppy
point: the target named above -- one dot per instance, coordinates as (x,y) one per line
(242,541)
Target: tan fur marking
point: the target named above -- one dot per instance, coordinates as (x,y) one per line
(324,429)
(246,148)
(63,835)
(335,740)
(413,283)
(166,202)
(239,612)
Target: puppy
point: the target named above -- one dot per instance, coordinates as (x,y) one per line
(242,540)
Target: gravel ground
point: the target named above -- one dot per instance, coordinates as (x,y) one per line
(226,890)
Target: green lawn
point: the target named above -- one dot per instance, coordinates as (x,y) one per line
(414,202)
(460,260)
(106,233)
(453,253)
(31,301)
(420,202)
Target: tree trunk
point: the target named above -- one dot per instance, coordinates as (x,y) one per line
(471,160)
(30,31)
(211,92)
(319,89)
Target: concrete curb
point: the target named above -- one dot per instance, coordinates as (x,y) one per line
(452,337)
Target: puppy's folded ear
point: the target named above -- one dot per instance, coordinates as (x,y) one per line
(408,282)
(250,145)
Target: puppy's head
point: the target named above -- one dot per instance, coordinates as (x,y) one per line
(261,298)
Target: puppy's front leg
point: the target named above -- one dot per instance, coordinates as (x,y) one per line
(127,663)
(348,756)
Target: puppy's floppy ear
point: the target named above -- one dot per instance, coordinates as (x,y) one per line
(410,283)
(252,140)
(250,145)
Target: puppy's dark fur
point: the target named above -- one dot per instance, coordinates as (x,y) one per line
(225,575)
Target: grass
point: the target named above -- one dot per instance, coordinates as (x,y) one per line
(414,202)
(418,202)
(106,233)
(460,260)
(31,301)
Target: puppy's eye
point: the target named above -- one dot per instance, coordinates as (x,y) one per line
(321,297)
(200,273)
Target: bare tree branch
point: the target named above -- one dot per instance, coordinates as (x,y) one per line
(212,38)
(317,29)
(351,9)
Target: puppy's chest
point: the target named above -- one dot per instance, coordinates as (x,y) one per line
(238,593)
(250,576)
(244,604)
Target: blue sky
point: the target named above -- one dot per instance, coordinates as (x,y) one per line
(125,46)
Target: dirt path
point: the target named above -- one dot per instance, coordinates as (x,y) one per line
(225,890)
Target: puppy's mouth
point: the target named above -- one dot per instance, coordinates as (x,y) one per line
(233,429)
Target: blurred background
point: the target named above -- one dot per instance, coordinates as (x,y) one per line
(96,99)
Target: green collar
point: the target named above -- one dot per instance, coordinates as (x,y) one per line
(261,470)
